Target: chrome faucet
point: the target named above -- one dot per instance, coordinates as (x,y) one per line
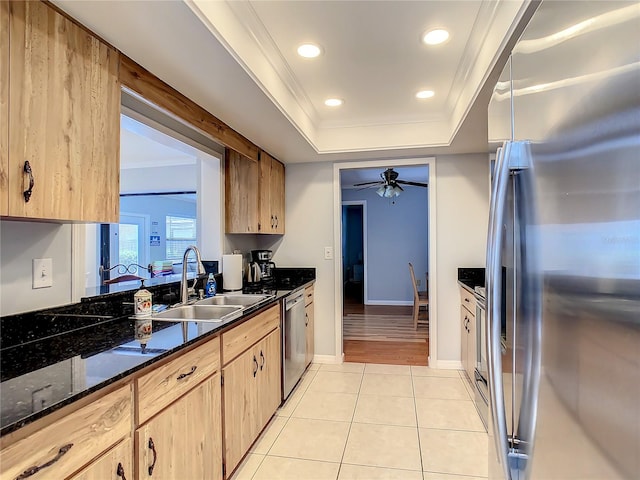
(184,288)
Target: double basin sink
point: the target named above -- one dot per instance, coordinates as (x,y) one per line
(216,309)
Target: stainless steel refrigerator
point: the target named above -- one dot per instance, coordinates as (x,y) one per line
(563,254)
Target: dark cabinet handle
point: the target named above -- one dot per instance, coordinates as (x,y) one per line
(276,221)
(306,320)
(120,471)
(256,363)
(33,470)
(32,182)
(466,300)
(152,447)
(185,375)
(262,358)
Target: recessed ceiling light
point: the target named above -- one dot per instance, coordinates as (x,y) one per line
(333,102)
(309,50)
(425,94)
(435,37)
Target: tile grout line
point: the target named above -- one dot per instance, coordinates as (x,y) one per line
(346,442)
(415,406)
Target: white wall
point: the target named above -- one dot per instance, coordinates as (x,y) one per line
(20,243)
(309,228)
(396,235)
(461,237)
(461,222)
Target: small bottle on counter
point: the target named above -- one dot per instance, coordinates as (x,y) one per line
(210,289)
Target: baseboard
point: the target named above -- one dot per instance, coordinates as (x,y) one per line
(446,364)
(390,302)
(332,359)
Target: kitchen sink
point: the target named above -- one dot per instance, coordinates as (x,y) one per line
(199,313)
(245,300)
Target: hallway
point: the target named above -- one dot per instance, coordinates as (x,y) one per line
(384,334)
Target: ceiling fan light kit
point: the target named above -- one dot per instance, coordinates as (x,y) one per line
(389,185)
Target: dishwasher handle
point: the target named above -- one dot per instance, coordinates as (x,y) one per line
(292,302)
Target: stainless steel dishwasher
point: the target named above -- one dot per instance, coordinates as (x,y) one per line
(293,342)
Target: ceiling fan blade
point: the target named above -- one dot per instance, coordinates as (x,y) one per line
(366,183)
(415,184)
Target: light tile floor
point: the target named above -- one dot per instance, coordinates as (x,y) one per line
(368,422)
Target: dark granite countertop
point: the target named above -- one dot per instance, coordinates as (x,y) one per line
(469,278)
(54,357)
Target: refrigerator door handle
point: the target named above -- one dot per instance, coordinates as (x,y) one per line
(494,302)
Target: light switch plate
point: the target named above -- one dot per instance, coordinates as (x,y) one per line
(42,273)
(328,253)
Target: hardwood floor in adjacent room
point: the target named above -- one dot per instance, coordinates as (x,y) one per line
(384,334)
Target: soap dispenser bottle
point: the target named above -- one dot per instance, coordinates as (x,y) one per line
(210,289)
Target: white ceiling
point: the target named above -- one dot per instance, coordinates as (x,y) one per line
(237,59)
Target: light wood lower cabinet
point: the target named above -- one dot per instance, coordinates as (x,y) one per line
(310,325)
(116,464)
(252,381)
(468,339)
(184,440)
(65,446)
(251,396)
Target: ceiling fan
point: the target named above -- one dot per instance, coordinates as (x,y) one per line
(389,184)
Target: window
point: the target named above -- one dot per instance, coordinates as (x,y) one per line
(181,232)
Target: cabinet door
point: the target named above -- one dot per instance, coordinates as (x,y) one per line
(267,219)
(309,322)
(277,195)
(64,116)
(241,193)
(269,376)
(185,440)
(4,107)
(471,347)
(240,392)
(116,464)
(464,337)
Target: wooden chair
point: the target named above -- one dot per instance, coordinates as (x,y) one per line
(420,299)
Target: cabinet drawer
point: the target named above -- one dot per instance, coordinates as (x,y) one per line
(468,300)
(167,383)
(308,295)
(71,442)
(242,337)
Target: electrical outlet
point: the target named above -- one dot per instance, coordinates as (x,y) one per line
(328,253)
(418,282)
(42,273)
(42,398)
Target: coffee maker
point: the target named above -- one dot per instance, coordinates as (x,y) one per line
(262,258)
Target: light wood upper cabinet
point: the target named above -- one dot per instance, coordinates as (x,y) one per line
(185,439)
(4,107)
(64,119)
(241,192)
(271,195)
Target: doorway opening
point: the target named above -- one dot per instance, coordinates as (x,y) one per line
(375,299)
(353,253)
